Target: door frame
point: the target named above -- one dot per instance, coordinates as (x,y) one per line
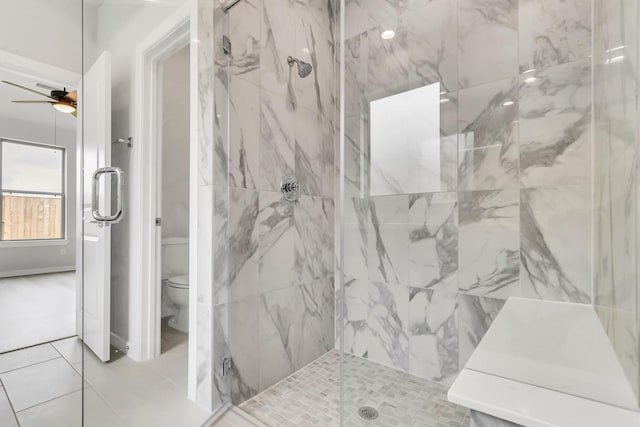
(145,183)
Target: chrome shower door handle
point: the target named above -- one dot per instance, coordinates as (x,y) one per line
(95,195)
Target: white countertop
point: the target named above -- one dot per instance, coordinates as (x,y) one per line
(545,363)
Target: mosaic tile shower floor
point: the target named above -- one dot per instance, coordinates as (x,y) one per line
(311,397)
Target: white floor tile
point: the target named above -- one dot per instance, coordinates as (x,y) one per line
(38,383)
(43,305)
(66,411)
(70,349)
(7,419)
(28,356)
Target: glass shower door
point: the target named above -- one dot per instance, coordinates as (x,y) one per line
(147,358)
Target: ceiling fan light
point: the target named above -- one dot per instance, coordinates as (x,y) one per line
(64,107)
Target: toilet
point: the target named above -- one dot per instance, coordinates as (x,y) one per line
(178,293)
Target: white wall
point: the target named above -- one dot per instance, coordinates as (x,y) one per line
(48,31)
(175,164)
(120,28)
(30,258)
(175,145)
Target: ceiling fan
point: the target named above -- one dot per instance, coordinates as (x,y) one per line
(61,100)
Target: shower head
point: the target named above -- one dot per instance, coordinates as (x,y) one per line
(304,69)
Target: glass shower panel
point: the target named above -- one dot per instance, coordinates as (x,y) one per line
(148,315)
(399,295)
(468,179)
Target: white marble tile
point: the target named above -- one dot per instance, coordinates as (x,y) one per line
(277,239)
(356,251)
(26,357)
(356,73)
(476,314)
(388,63)
(244,344)
(314,245)
(388,253)
(206,101)
(38,383)
(487,40)
(244,134)
(555,132)
(432,48)
(489,243)
(552,32)
(243,243)
(556,243)
(315,39)
(244,32)
(277,146)
(276,44)
(389,209)
(433,241)
(295,328)
(387,325)
(220,245)
(433,334)
(488,151)
(314,153)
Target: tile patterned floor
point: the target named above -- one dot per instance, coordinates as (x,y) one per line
(44,305)
(310,397)
(41,386)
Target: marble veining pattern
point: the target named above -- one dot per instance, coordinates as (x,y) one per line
(488,136)
(555,246)
(489,243)
(475,316)
(483,23)
(433,329)
(433,240)
(555,120)
(560,32)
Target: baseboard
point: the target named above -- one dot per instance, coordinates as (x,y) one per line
(32,271)
(120,343)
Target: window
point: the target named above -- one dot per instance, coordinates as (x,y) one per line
(32,188)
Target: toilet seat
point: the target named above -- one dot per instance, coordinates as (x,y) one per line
(179,282)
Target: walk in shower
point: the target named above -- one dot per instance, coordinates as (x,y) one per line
(380,193)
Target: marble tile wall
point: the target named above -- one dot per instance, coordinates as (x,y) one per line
(616,88)
(280,295)
(508,214)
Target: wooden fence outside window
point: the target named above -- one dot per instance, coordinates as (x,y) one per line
(31,217)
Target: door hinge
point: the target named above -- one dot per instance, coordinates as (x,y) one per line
(226,366)
(158,222)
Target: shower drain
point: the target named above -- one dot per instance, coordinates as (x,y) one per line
(368,413)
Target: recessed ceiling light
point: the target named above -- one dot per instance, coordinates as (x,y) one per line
(530,80)
(508,103)
(388,34)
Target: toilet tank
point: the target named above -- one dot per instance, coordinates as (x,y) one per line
(175,257)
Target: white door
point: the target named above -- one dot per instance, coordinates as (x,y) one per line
(94,269)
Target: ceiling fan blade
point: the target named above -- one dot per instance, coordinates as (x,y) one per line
(33,102)
(73,95)
(30,90)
